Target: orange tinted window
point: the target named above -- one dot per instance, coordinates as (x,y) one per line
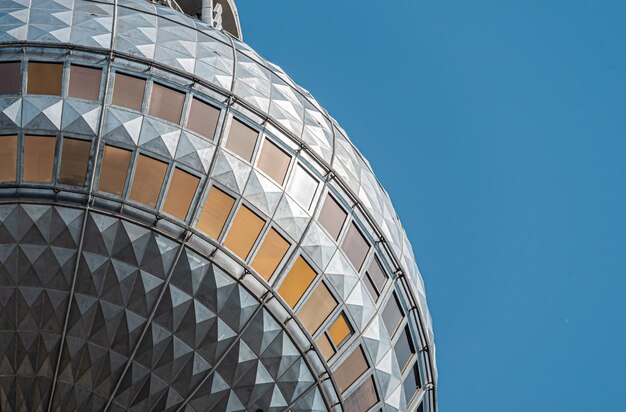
(84,82)
(148,180)
(114,170)
(38,158)
(317,308)
(339,330)
(351,369)
(128,91)
(297,282)
(8,158)
(45,78)
(244,231)
(270,254)
(166,103)
(180,193)
(203,118)
(74,161)
(10,78)
(274,162)
(216,210)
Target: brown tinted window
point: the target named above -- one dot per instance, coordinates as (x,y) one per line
(84,82)
(370,287)
(351,369)
(355,247)
(411,383)
(363,398)
(216,210)
(297,282)
(114,170)
(8,158)
(244,231)
(166,103)
(45,78)
(241,139)
(38,158)
(128,91)
(392,315)
(332,217)
(203,118)
(74,161)
(273,161)
(339,330)
(180,193)
(323,344)
(270,254)
(404,348)
(317,308)
(10,78)
(148,180)
(376,273)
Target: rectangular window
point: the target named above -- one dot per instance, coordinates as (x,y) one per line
(166,103)
(271,252)
(10,78)
(128,91)
(241,140)
(355,246)
(216,210)
(84,82)
(332,217)
(296,282)
(148,180)
(274,162)
(392,315)
(180,193)
(44,78)
(404,348)
(8,158)
(323,344)
(317,308)
(38,158)
(74,161)
(412,383)
(114,170)
(340,330)
(203,118)
(244,231)
(363,398)
(351,369)
(302,187)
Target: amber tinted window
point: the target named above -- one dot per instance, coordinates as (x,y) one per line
(302,186)
(148,180)
(216,210)
(351,369)
(325,347)
(203,118)
(9,78)
(8,158)
(332,217)
(241,139)
(44,78)
(411,383)
(180,193)
(114,170)
(297,282)
(392,315)
(270,254)
(339,330)
(74,161)
(355,247)
(317,308)
(84,82)
(244,231)
(128,91)
(404,348)
(273,161)
(38,158)
(363,398)
(166,103)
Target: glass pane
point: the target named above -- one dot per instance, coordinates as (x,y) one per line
(351,369)
(166,103)
(392,315)
(84,82)
(411,383)
(317,308)
(332,217)
(302,187)
(203,118)
(148,180)
(363,398)
(45,78)
(8,158)
(128,91)
(340,330)
(270,254)
(404,348)
(38,158)
(216,210)
(297,282)
(114,170)
(323,344)
(370,287)
(10,78)
(180,193)
(355,247)
(273,161)
(244,232)
(74,161)
(241,139)
(376,274)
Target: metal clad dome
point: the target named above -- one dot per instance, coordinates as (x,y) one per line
(182,227)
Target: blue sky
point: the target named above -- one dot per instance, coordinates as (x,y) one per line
(499,130)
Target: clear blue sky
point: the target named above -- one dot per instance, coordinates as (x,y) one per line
(499,129)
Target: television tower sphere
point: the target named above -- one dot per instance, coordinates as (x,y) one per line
(184,228)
